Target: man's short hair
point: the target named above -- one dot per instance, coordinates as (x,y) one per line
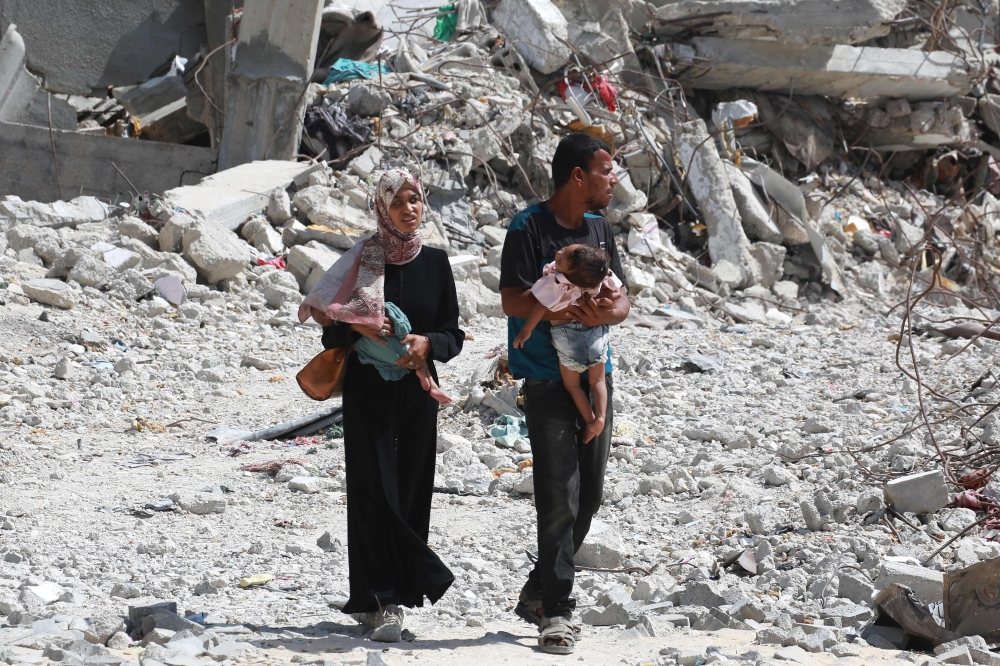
(575,150)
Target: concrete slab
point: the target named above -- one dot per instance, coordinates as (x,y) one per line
(835,71)
(538,31)
(230,197)
(265,93)
(78,47)
(927,584)
(710,185)
(85,164)
(789,21)
(918,493)
(21,98)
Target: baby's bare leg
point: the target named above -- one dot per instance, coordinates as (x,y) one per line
(571,380)
(429,385)
(598,389)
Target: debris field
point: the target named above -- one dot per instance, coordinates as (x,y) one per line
(806,396)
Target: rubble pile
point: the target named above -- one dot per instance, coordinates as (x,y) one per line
(806,424)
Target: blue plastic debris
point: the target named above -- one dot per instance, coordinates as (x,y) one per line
(349,70)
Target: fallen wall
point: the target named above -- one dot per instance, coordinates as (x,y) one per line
(81,46)
(836,71)
(85,164)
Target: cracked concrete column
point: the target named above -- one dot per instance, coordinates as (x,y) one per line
(706,177)
(274,60)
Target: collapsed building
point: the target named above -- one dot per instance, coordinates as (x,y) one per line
(772,156)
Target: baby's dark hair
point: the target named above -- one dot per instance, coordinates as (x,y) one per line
(588,266)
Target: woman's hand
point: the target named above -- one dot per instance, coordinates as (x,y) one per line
(376,333)
(420,350)
(321,317)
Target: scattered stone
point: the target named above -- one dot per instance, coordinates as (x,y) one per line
(50,292)
(925,492)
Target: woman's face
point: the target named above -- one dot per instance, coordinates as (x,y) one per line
(406,210)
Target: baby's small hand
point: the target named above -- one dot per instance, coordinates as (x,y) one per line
(521,338)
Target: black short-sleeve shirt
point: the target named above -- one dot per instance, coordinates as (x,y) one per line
(533,238)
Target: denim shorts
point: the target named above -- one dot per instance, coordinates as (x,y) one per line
(580,347)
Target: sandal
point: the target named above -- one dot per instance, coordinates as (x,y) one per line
(557,635)
(529,611)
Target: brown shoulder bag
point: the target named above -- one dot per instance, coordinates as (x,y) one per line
(323,377)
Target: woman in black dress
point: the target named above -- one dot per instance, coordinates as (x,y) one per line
(390,427)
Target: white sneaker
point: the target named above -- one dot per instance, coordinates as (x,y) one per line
(390,625)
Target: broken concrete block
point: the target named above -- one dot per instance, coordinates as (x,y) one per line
(85,161)
(785,289)
(91,271)
(927,584)
(304,259)
(615,614)
(230,197)
(765,519)
(537,30)
(216,253)
(50,292)
(710,186)
(164,619)
(956,655)
(870,500)
(603,548)
(771,258)
(366,101)
(918,493)
(58,214)
(310,484)
(956,520)
(807,22)
(835,71)
(140,608)
(199,503)
(973,642)
(22,99)
(984,657)
(756,219)
(121,259)
(42,595)
(259,233)
(133,227)
(364,164)
(626,200)
(279,206)
(171,236)
(271,68)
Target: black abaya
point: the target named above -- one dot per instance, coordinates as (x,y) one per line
(390,441)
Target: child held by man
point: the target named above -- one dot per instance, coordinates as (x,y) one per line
(577,271)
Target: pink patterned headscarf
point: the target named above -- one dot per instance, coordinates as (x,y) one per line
(352,290)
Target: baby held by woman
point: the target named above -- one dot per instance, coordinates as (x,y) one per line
(577,270)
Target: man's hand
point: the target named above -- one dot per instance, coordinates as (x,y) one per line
(610,311)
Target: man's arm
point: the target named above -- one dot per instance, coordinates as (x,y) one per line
(591,313)
(519,303)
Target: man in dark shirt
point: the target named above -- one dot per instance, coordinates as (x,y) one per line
(568,475)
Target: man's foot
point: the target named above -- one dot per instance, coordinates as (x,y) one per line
(557,635)
(593,429)
(529,606)
(390,625)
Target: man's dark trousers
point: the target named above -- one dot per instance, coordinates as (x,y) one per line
(569,486)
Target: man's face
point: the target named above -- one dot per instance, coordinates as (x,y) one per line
(599,182)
